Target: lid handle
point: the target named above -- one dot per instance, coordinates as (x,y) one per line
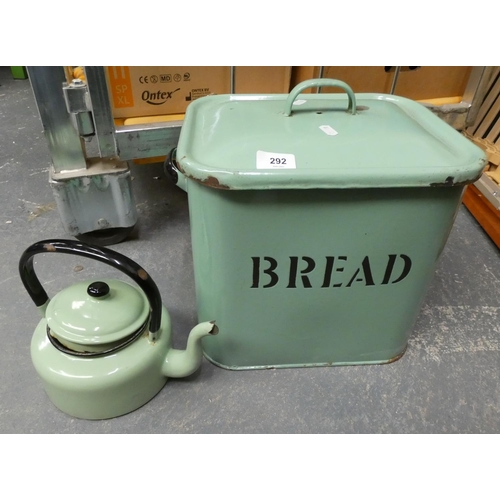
(105,255)
(320,82)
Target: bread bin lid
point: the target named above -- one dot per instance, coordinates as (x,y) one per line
(293,141)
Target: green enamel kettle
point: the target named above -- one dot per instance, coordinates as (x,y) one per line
(103,348)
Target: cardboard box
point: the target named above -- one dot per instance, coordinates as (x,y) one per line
(426,82)
(262,79)
(159,90)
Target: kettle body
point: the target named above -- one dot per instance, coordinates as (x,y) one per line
(105,386)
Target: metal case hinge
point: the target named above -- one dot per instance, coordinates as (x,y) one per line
(77,98)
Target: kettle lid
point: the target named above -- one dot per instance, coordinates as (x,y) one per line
(93,313)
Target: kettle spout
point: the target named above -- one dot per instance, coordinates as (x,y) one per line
(179,363)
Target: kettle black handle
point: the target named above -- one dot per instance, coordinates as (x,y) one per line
(105,255)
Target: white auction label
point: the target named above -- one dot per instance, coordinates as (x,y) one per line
(266,160)
(328,130)
(298,102)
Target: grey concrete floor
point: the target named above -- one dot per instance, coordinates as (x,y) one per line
(447,382)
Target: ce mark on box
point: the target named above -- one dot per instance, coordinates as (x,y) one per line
(145,79)
(164,78)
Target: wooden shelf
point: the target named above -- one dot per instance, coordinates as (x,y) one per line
(484,212)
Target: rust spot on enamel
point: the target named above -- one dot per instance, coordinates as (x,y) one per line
(213,182)
(395,358)
(210,181)
(450,182)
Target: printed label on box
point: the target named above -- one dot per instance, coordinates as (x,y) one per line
(121,86)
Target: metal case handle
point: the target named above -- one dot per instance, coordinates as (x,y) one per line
(320,82)
(105,255)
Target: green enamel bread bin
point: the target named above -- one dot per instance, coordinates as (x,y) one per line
(317,221)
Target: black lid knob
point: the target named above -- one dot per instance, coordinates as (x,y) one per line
(98,289)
